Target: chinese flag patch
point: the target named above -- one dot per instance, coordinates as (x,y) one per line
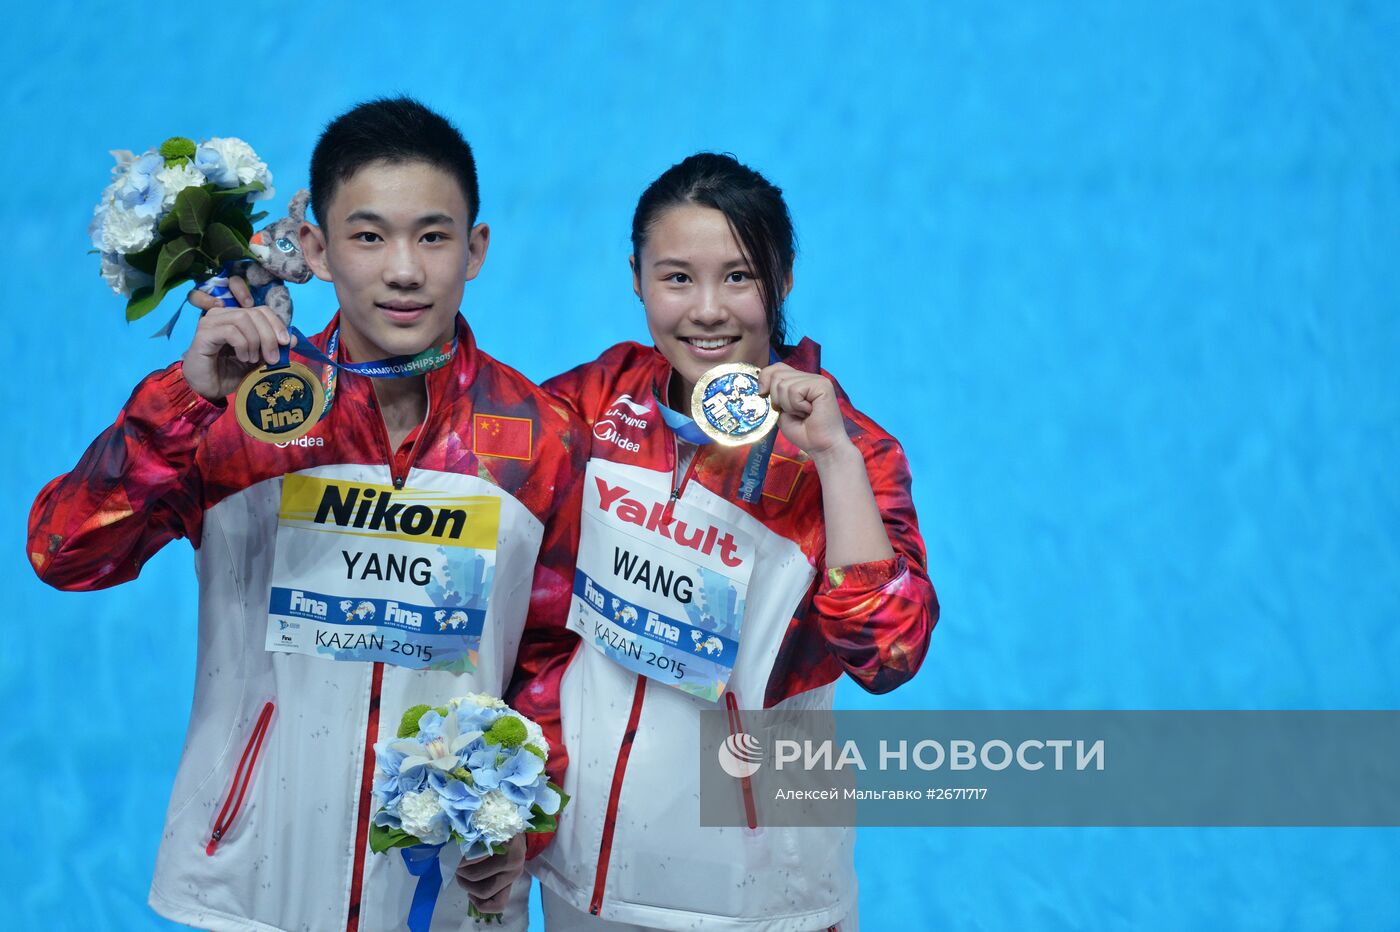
(782,477)
(508,437)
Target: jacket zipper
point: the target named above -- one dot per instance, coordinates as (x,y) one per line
(736,725)
(376,683)
(624,751)
(242,779)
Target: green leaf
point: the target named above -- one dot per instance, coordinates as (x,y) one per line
(382,838)
(223,245)
(175,259)
(169,226)
(563,797)
(145,260)
(260,215)
(145,299)
(240,191)
(142,301)
(236,216)
(192,209)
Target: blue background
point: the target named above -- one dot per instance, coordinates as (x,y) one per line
(1122,278)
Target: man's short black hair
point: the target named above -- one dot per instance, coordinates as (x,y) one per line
(391,129)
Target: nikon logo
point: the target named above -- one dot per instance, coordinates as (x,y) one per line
(371,508)
(367,510)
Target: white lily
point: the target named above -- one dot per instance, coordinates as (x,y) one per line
(440,751)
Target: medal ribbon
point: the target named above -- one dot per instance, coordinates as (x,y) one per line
(755,465)
(395,367)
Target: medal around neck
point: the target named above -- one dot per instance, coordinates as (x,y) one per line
(728,408)
(277,404)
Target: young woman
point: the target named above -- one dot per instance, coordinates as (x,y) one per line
(703,583)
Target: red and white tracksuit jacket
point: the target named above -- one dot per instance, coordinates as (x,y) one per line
(279,754)
(630,847)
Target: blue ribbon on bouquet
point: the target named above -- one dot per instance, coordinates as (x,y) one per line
(422,862)
(755,465)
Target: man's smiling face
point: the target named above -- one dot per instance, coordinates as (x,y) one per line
(397,243)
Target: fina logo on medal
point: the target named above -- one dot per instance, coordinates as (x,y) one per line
(741,755)
(279,405)
(727,406)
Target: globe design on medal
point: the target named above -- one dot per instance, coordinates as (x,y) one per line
(727,406)
(280,404)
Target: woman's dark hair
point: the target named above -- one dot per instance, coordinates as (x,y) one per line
(754,208)
(395,130)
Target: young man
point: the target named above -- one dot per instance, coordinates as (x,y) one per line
(416,545)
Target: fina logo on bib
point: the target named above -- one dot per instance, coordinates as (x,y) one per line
(364,509)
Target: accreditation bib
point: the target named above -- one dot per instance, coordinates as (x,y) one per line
(367,572)
(660,586)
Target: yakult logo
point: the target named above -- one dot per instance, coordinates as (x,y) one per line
(704,540)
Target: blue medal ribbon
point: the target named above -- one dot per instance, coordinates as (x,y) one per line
(422,862)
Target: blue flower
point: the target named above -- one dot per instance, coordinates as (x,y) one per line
(458,801)
(520,778)
(391,782)
(140,192)
(211,162)
(483,764)
(476,718)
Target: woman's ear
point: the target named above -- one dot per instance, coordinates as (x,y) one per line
(636,277)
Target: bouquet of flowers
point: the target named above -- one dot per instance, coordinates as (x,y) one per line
(176,214)
(469,772)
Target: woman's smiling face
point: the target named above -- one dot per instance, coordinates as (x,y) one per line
(703,305)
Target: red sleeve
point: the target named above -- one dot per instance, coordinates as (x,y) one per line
(546,643)
(577,387)
(877,617)
(135,489)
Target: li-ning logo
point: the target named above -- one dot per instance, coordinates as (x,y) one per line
(741,755)
(639,411)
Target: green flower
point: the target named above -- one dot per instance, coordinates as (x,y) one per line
(177,150)
(507,732)
(408,725)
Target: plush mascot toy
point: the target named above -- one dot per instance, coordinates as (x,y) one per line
(279,259)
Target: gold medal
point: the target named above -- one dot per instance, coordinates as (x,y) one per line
(728,408)
(281,404)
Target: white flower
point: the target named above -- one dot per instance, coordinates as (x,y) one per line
(238,165)
(124,232)
(423,817)
(497,818)
(480,700)
(176,178)
(122,278)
